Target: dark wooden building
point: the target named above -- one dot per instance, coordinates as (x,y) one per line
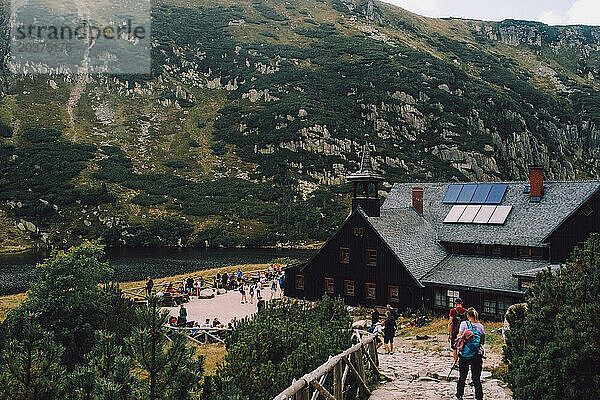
(432,242)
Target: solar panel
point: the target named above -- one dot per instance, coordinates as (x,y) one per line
(500,214)
(452,194)
(484,214)
(481,193)
(468,215)
(454,214)
(466,194)
(496,193)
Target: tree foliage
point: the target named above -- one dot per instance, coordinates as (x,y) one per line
(30,368)
(170,369)
(283,342)
(553,347)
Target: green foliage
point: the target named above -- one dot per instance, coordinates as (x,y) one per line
(41,135)
(282,342)
(176,164)
(147,200)
(553,347)
(169,368)
(268,12)
(6,131)
(68,300)
(30,368)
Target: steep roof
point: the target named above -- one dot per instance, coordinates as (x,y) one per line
(366,171)
(528,224)
(531,273)
(481,272)
(411,238)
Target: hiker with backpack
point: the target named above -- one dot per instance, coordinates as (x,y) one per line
(457,315)
(471,338)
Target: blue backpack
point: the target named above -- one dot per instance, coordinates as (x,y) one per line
(472,346)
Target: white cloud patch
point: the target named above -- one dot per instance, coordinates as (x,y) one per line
(582,12)
(422,7)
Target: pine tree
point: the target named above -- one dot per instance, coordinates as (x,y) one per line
(168,363)
(106,373)
(553,347)
(30,368)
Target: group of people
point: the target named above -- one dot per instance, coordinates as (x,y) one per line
(465,334)
(271,281)
(387,328)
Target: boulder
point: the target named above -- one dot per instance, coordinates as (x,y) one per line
(360,324)
(206,294)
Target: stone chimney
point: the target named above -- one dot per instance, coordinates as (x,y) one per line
(536,183)
(417,199)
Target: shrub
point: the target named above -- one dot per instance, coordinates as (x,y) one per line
(176,164)
(553,346)
(41,135)
(148,200)
(6,131)
(282,342)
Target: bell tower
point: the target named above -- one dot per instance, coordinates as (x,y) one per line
(366,185)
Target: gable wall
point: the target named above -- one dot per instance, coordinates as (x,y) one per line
(574,230)
(387,272)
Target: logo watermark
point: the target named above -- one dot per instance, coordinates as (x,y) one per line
(80,36)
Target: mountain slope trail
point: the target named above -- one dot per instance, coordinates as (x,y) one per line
(421,374)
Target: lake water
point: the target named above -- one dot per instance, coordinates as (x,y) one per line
(16,270)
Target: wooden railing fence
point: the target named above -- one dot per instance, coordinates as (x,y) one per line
(353,361)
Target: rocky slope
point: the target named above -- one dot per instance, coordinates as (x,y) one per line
(255,112)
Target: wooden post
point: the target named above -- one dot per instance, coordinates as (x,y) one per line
(360,365)
(304,393)
(338,389)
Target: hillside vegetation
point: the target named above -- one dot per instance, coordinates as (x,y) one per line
(256,110)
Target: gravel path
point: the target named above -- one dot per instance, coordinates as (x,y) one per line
(421,374)
(223,306)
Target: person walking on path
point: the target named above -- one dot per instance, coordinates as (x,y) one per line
(251,291)
(182,320)
(149,286)
(273,289)
(243,293)
(389,331)
(471,355)
(258,288)
(457,315)
(374,317)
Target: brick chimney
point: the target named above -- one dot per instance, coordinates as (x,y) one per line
(536,182)
(417,199)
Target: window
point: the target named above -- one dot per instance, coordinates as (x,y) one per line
(394,294)
(344,255)
(523,252)
(525,284)
(359,232)
(503,304)
(587,209)
(537,253)
(349,288)
(371,292)
(329,285)
(371,258)
(495,251)
(489,306)
(451,296)
(480,250)
(300,282)
(439,299)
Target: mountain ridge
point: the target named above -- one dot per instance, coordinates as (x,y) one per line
(256,110)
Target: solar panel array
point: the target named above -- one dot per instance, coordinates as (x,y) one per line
(478,214)
(475,193)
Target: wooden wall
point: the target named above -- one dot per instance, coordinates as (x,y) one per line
(388,271)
